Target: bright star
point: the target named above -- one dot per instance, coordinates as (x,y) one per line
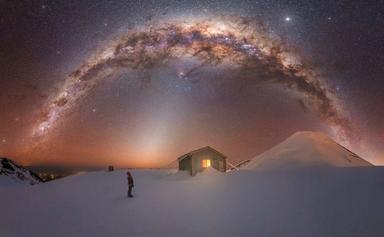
(288,19)
(181,75)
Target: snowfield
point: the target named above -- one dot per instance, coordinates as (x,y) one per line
(298,202)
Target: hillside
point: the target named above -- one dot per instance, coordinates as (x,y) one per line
(304,149)
(307,202)
(12,174)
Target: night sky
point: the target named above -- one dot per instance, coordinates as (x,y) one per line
(138,83)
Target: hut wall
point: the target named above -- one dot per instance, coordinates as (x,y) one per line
(186,164)
(217,161)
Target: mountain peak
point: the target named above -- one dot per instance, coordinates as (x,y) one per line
(307,148)
(311,135)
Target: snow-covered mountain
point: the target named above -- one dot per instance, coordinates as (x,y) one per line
(307,149)
(11,173)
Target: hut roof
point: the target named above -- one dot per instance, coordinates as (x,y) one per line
(199,150)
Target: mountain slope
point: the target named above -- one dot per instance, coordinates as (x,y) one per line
(11,173)
(307,149)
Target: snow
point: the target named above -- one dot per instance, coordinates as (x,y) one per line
(304,149)
(12,175)
(317,201)
(7,182)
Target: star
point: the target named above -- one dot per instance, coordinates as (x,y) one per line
(288,19)
(3,140)
(181,75)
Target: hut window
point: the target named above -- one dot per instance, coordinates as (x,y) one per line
(206,163)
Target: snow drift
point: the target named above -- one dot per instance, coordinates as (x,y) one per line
(12,174)
(316,202)
(304,149)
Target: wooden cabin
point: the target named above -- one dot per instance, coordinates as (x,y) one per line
(198,160)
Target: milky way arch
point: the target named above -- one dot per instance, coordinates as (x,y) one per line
(243,43)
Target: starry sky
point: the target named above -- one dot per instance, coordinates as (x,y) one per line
(91,83)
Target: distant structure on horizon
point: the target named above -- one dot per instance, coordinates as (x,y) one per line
(200,159)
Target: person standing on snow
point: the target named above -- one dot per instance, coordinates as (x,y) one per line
(130,184)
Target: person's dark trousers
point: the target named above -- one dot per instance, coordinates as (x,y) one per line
(130,191)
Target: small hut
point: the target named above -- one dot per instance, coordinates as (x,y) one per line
(198,160)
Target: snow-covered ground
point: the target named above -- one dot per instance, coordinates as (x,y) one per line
(305,202)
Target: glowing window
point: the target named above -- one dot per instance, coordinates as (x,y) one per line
(206,163)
